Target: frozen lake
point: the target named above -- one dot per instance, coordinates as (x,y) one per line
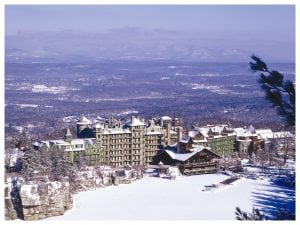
(154,198)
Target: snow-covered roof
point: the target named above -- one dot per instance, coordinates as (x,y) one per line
(204,131)
(200,141)
(84,120)
(251,129)
(193,133)
(166,118)
(135,122)
(217,129)
(185,139)
(180,156)
(91,141)
(97,125)
(268,134)
(265,133)
(185,156)
(153,133)
(283,134)
(242,132)
(173,132)
(116,131)
(38,144)
(244,140)
(84,142)
(239,131)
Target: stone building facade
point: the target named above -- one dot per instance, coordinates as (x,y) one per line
(220,139)
(131,143)
(86,149)
(247,141)
(135,142)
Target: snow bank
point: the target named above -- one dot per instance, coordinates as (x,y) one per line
(181,199)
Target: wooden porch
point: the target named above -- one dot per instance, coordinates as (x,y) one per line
(199,168)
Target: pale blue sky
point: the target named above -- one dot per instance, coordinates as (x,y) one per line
(220,30)
(266,20)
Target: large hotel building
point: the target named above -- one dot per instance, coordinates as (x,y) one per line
(137,143)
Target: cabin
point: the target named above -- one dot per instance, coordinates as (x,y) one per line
(199,160)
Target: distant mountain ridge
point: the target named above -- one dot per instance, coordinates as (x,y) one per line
(136,44)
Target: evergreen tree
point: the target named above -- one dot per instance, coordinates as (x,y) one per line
(255,215)
(60,165)
(32,162)
(51,162)
(279,91)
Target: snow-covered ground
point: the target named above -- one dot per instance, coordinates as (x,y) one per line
(153,198)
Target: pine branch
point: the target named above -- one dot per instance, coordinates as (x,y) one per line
(280,92)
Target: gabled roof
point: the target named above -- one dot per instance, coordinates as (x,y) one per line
(185,156)
(251,129)
(241,132)
(185,139)
(265,133)
(204,131)
(135,122)
(193,133)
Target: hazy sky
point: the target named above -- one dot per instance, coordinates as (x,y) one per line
(275,22)
(264,29)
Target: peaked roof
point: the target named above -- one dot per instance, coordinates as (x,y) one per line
(185,156)
(242,132)
(68,132)
(135,122)
(251,129)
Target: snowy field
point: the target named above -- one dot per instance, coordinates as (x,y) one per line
(153,198)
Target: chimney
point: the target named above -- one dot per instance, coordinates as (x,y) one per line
(179,134)
(179,137)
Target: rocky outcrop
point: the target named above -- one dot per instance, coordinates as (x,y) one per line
(38,199)
(45,199)
(10,211)
(92,178)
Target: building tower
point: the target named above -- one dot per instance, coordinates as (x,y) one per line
(84,128)
(68,136)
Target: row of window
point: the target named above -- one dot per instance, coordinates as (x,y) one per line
(123,140)
(109,136)
(121,158)
(153,147)
(73,146)
(122,146)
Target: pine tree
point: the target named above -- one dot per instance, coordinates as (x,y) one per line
(279,91)
(47,162)
(60,165)
(31,163)
(255,215)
